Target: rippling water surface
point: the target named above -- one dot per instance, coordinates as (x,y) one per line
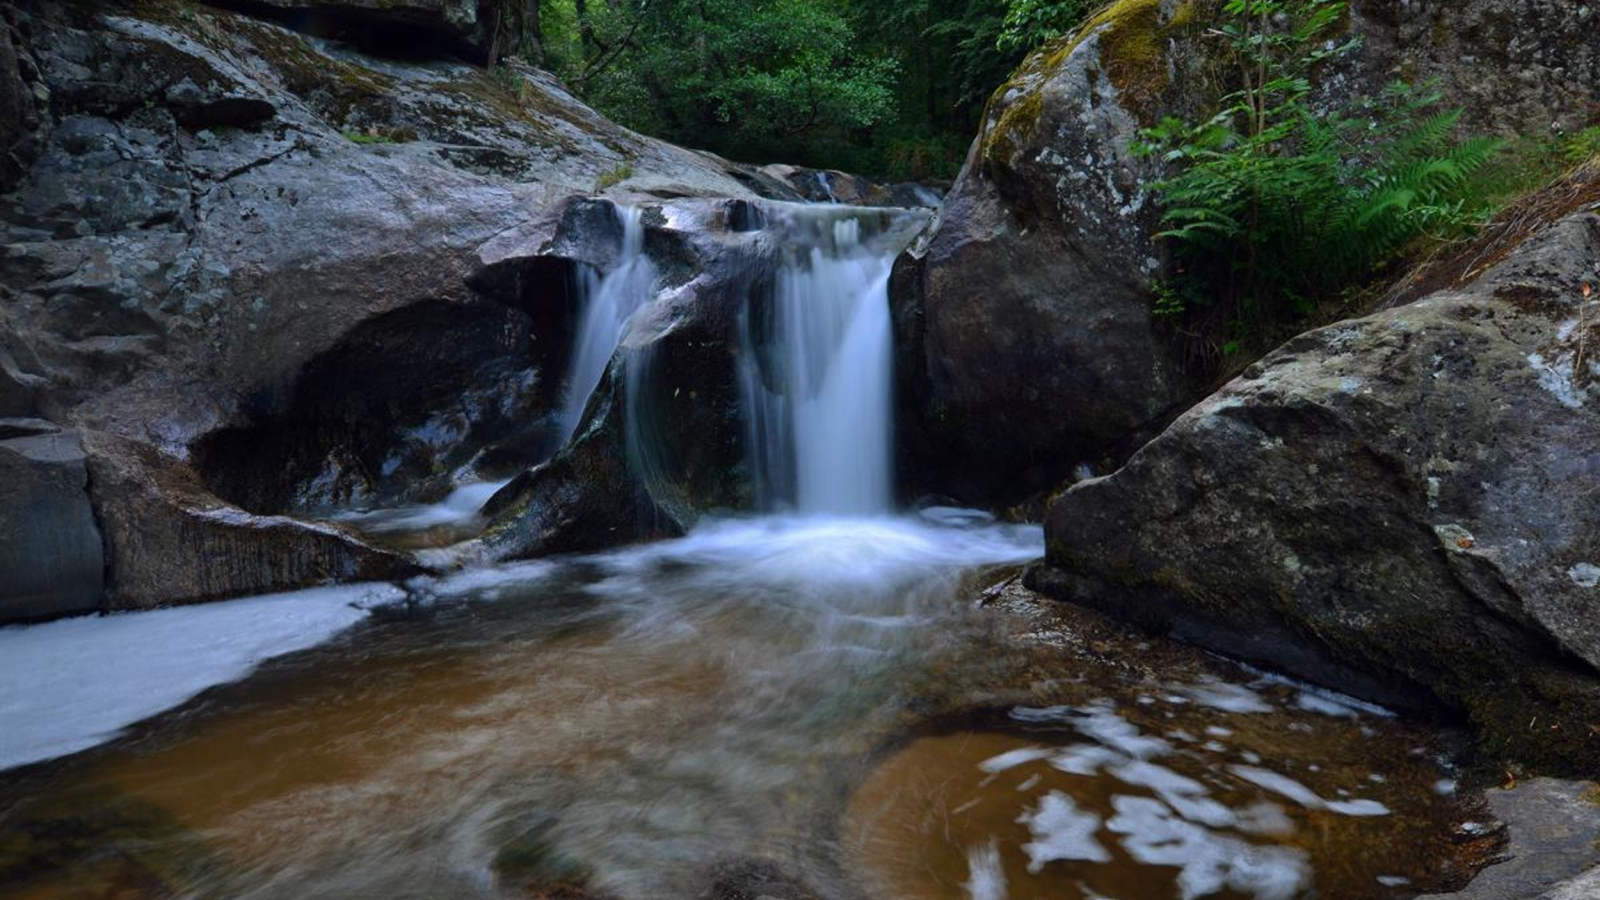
(812,704)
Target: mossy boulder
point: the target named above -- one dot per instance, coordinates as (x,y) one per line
(1039,347)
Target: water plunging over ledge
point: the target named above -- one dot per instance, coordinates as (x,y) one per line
(819,430)
(608,303)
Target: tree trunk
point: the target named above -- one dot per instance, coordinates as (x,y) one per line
(532,33)
(585,28)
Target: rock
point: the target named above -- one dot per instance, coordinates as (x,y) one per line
(1518,68)
(51,561)
(756,878)
(248,261)
(26,427)
(779,181)
(19,113)
(1040,350)
(464,25)
(1040,347)
(588,497)
(171,542)
(1551,852)
(1401,506)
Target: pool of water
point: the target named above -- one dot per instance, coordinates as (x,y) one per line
(813,706)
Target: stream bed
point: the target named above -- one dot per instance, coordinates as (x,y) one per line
(814,707)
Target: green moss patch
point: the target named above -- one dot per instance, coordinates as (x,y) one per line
(1133,39)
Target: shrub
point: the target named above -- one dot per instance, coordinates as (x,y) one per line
(1278,203)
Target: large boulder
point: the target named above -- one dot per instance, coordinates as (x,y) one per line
(1038,347)
(1402,506)
(247,260)
(50,554)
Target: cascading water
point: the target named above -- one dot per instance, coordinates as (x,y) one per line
(819,416)
(609,302)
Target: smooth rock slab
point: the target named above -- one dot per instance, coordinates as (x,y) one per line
(51,557)
(1554,850)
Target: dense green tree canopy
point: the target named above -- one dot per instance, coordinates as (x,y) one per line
(888,87)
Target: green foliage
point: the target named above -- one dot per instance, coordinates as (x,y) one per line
(1278,203)
(733,76)
(1029,23)
(1582,147)
(885,87)
(614,176)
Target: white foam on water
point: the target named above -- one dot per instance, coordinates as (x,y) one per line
(1061,831)
(1209,862)
(1014,758)
(1293,790)
(987,875)
(1226,697)
(69,685)
(460,507)
(822,554)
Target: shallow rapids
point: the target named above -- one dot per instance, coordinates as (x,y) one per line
(747,704)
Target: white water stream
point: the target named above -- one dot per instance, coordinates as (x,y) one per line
(821,434)
(609,303)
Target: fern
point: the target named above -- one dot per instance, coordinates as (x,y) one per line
(1278,204)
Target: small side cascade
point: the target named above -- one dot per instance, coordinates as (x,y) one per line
(817,371)
(609,303)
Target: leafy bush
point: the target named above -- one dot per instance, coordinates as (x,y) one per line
(1029,23)
(1279,203)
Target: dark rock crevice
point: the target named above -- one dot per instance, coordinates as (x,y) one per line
(389,414)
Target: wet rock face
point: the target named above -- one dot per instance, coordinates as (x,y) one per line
(19,103)
(451,385)
(170,541)
(1551,854)
(50,554)
(1517,67)
(256,256)
(1402,506)
(1039,350)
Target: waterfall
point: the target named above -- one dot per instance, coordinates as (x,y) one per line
(608,303)
(817,372)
